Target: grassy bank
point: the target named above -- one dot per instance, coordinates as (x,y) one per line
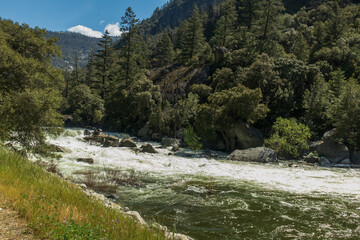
(56,209)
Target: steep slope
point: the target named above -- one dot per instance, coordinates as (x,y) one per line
(70,44)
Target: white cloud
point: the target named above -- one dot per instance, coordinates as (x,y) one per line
(113,29)
(102,21)
(86,31)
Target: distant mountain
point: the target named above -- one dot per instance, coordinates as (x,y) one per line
(70,44)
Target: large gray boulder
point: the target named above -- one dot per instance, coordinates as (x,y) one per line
(144,131)
(169,142)
(244,136)
(355,158)
(127,142)
(259,154)
(329,148)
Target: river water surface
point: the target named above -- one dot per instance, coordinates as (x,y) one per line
(218,199)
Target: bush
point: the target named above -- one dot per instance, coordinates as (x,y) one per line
(289,138)
(192,140)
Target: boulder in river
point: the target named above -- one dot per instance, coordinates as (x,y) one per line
(175,148)
(311,158)
(86,160)
(87,132)
(259,154)
(148,148)
(169,142)
(330,148)
(111,141)
(156,137)
(324,162)
(127,142)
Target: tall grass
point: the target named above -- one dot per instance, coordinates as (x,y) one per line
(57,209)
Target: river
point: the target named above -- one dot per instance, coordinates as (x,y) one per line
(219,199)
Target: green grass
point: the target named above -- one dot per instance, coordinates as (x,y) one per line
(57,209)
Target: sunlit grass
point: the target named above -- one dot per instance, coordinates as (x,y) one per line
(57,209)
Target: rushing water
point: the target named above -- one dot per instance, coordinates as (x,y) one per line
(218,199)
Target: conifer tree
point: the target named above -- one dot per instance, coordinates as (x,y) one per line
(90,69)
(165,50)
(194,39)
(104,63)
(129,27)
(226,25)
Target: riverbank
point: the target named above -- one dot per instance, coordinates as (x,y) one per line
(56,209)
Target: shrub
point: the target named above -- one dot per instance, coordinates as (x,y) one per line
(289,138)
(192,140)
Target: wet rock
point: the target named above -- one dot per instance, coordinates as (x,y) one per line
(147,148)
(259,154)
(87,132)
(86,160)
(169,142)
(170,154)
(244,136)
(111,141)
(127,142)
(311,158)
(58,148)
(101,138)
(98,132)
(83,186)
(175,148)
(324,162)
(156,137)
(126,209)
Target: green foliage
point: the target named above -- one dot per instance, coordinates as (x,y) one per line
(317,103)
(29,92)
(192,140)
(87,108)
(289,138)
(345,114)
(164,51)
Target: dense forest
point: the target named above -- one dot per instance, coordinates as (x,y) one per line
(231,65)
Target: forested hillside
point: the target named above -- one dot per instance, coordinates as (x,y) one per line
(73,45)
(237,65)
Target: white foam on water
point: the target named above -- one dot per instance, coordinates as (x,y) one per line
(272,176)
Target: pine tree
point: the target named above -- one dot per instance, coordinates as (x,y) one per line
(129,27)
(165,51)
(194,39)
(226,25)
(90,69)
(104,63)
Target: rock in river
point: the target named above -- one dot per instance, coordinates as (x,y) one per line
(127,142)
(259,154)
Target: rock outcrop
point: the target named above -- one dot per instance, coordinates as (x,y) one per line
(86,160)
(259,154)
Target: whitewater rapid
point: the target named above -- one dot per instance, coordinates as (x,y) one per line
(301,179)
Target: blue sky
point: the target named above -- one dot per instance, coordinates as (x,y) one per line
(86,16)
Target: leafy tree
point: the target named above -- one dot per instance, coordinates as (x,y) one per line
(192,140)
(289,138)
(223,79)
(317,102)
(29,85)
(345,115)
(202,90)
(227,108)
(86,108)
